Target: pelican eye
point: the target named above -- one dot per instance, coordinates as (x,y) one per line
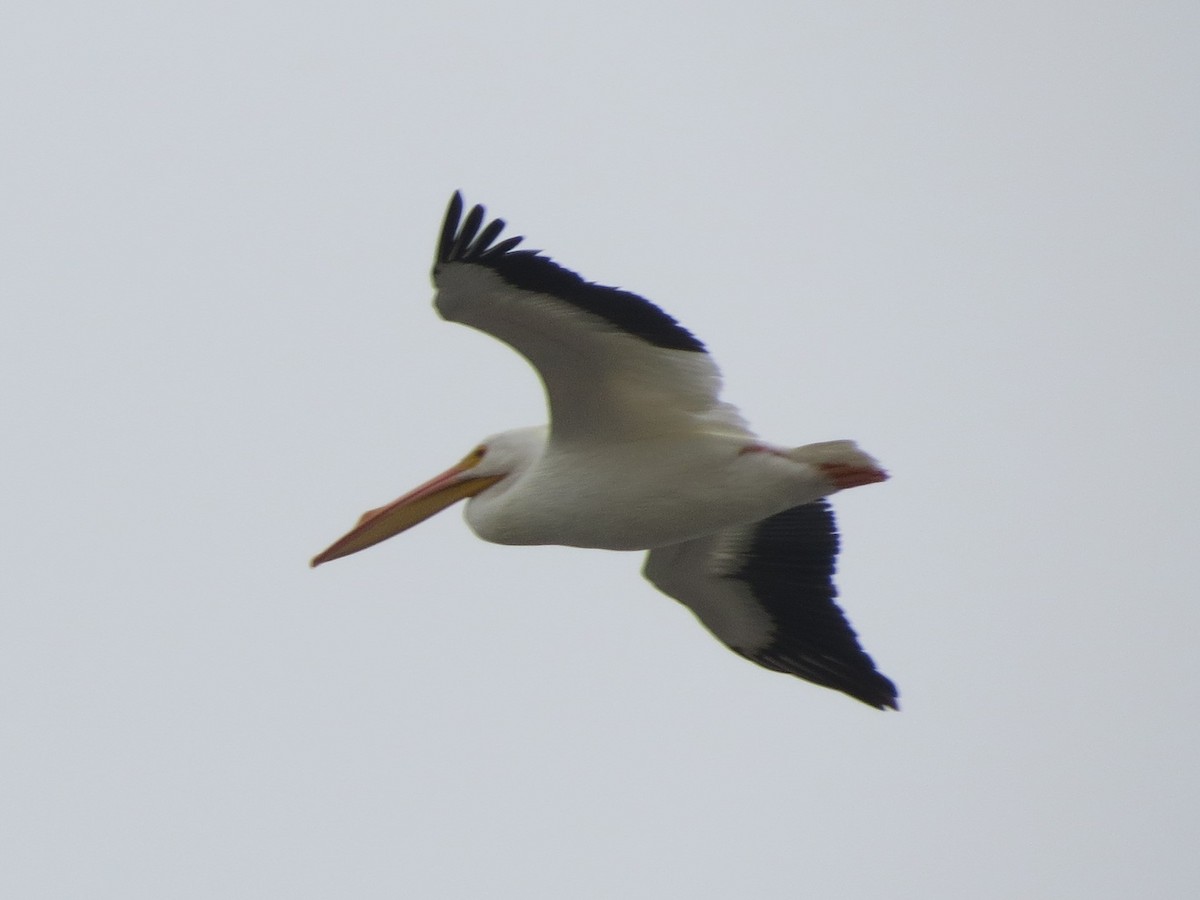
(473,458)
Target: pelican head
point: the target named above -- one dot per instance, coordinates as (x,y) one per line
(499,458)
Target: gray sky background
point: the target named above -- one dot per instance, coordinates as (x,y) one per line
(965,234)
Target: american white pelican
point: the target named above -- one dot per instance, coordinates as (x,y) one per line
(641,454)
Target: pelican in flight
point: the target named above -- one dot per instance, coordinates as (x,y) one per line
(642,454)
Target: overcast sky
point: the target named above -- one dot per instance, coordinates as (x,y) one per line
(964,234)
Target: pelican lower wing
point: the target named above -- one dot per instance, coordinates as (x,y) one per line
(766,590)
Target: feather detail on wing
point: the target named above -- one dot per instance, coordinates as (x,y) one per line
(615,366)
(766,590)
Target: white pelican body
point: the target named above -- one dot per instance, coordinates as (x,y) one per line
(686,486)
(641,454)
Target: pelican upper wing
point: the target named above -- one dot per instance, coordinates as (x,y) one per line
(766,590)
(613,364)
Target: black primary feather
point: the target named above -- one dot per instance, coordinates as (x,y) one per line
(461,241)
(789,567)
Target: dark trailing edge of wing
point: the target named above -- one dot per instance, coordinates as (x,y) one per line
(789,568)
(463,241)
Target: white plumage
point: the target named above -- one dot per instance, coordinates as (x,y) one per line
(642,454)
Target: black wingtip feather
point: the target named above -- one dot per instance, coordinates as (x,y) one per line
(789,567)
(450,227)
(490,233)
(466,235)
(462,241)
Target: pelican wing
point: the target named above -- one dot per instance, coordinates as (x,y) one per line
(766,590)
(614,365)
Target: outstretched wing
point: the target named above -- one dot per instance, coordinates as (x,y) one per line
(766,590)
(614,365)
